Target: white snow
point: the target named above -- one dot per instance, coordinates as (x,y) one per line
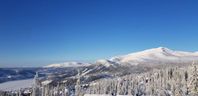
(16,85)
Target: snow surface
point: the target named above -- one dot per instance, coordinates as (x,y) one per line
(16,85)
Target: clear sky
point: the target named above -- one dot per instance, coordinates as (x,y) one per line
(40,32)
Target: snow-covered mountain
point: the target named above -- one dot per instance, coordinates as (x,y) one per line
(154,55)
(67,64)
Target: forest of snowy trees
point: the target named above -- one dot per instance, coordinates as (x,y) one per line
(171,81)
(165,82)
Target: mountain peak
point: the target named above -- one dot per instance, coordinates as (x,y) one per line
(156,54)
(163,48)
(159,49)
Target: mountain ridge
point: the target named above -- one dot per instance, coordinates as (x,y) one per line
(153,55)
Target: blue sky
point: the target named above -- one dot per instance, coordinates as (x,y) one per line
(40,32)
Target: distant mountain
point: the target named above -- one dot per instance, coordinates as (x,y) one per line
(158,55)
(67,64)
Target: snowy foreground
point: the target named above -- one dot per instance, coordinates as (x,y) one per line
(16,85)
(170,81)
